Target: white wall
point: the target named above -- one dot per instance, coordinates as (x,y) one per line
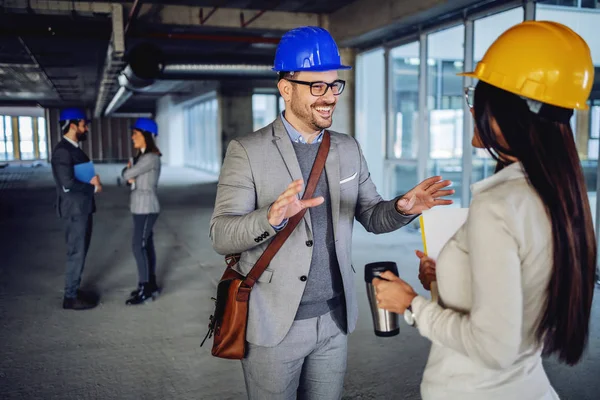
(170,120)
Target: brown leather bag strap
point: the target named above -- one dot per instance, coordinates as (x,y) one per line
(263,262)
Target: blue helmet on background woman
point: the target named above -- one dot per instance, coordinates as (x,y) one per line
(308,48)
(146,124)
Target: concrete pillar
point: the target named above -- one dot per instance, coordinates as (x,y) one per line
(235,105)
(343,119)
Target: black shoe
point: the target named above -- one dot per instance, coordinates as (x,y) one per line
(136,290)
(143,295)
(89,297)
(153,288)
(78,303)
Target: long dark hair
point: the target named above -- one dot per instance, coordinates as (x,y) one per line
(151,146)
(547,151)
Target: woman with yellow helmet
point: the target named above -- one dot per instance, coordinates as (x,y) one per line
(517,280)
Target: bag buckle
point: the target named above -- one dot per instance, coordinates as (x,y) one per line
(211,326)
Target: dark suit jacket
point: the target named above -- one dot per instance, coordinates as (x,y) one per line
(72,197)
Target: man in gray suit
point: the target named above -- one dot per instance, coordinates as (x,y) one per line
(304,304)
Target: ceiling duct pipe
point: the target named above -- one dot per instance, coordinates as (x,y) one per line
(145,66)
(194,70)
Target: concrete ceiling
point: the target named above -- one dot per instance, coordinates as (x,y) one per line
(305,6)
(54,53)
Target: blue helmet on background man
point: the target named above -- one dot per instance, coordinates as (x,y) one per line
(146,124)
(308,48)
(72,114)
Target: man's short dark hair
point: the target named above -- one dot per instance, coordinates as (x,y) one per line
(285,75)
(67,125)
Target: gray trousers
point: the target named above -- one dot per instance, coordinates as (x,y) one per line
(78,233)
(309,364)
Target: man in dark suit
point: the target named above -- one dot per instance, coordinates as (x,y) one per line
(74,204)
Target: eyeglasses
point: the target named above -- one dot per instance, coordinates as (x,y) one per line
(470,96)
(320,88)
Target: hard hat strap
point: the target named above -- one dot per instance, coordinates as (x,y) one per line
(548,111)
(66,124)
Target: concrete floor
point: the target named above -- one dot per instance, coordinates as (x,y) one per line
(152,351)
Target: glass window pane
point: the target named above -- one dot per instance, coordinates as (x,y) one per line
(404,139)
(487,31)
(571,3)
(25,128)
(41,128)
(8,127)
(8,154)
(42,145)
(26,146)
(585,122)
(281,104)
(264,109)
(445,96)
(489,28)
(370,112)
(27,151)
(43,150)
(201,136)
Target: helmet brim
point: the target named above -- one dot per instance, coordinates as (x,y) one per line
(144,130)
(576,106)
(316,68)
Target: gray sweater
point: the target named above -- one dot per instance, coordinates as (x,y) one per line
(324,286)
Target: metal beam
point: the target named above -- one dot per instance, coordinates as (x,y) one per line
(423,120)
(529,10)
(41,69)
(203,19)
(114,61)
(135,10)
(256,16)
(230,18)
(174,14)
(467,159)
(59,7)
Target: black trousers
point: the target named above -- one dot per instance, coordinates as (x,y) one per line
(78,234)
(143,245)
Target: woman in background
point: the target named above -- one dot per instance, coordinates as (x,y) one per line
(143,176)
(517,280)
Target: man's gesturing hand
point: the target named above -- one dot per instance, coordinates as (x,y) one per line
(287,204)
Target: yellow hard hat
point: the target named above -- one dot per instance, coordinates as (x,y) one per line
(540,60)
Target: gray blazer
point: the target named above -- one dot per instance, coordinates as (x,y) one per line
(256,170)
(146,172)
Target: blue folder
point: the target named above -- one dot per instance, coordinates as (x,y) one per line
(84,172)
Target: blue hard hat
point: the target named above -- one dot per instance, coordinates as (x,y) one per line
(71,114)
(146,124)
(308,48)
